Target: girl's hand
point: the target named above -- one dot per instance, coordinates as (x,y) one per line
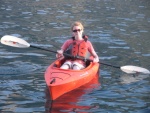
(59,53)
(96,59)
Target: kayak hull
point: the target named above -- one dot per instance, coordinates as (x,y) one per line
(60,81)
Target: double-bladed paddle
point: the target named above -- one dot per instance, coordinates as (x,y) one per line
(20,43)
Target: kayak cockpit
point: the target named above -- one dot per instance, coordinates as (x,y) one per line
(58,63)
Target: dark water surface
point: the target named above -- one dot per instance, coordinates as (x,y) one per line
(120,33)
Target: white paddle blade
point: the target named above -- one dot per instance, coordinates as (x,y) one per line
(134,69)
(14,41)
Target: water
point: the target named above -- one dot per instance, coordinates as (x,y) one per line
(119,31)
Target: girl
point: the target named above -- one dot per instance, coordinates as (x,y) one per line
(78,45)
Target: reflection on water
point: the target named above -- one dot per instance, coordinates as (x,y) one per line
(119,31)
(126,79)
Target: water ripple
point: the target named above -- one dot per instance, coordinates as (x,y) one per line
(10,55)
(19,68)
(108,57)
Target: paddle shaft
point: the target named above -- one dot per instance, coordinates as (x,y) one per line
(43,49)
(110,65)
(73,56)
(17,42)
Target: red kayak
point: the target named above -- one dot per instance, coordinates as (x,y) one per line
(61,81)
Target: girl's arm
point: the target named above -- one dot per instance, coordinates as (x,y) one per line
(94,54)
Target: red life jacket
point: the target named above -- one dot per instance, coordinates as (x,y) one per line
(79,49)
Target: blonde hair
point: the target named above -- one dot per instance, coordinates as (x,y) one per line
(77,23)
